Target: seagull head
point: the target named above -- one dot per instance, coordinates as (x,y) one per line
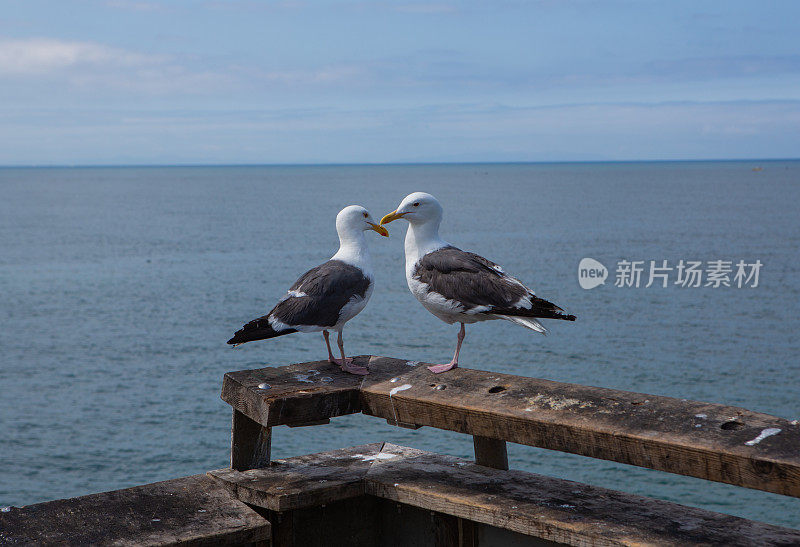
(354,218)
(416,208)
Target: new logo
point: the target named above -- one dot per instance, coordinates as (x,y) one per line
(591,273)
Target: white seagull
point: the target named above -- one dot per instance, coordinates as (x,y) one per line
(328,296)
(458,286)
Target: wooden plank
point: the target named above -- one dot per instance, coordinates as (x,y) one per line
(303,481)
(710,441)
(187,511)
(305,392)
(251,443)
(555,509)
(534,505)
(467,533)
(490,452)
(354,522)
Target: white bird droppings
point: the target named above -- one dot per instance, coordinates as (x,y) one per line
(303,378)
(5,509)
(555,403)
(398,389)
(379,456)
(264,386)
(394,392)
(768,432)
(393,380)
(701,416)
(412,363)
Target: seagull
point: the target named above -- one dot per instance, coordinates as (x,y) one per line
(328,296)
(459,286)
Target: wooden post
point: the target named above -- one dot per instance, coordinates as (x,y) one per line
(490,452)
(250,443)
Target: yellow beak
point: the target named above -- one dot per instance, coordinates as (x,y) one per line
(380,229)
(391,216)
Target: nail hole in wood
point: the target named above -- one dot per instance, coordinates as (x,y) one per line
(497,389)
(732,425)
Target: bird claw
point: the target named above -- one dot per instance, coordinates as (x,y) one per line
(438,369)
(349,366)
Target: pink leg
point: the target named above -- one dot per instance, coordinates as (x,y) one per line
(347,362)
(454,363)
(331,358)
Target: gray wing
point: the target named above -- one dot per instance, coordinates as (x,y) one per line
(477,282)
(318,296)
(314,299)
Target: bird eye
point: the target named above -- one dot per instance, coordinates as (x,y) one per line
(366,215)
(416,204)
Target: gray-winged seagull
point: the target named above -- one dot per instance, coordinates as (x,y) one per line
(458,286)
(328,296)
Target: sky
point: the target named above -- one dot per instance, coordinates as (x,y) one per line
(88,82)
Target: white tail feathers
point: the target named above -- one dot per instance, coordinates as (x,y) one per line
(527,322)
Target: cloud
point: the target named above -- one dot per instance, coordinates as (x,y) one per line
(43,55)
(332,74)
(134,6)
(704,68)
(34,64)
(425,8)
(435,132)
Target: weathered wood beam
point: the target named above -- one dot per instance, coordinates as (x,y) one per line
(251,443)
(544,507)
(303,481)
(490,452)
(187,511)
(295,394)
(710,441)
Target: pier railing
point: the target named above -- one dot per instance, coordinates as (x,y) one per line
(705,440)
(384,494)
(469,500)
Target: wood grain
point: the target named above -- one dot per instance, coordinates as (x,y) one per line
(705,440)
(251,443)
(533,505)
(187,511)
(490,452)
(304,481)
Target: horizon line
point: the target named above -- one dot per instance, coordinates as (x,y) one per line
(379,164)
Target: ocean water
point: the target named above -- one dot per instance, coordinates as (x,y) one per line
(120,286)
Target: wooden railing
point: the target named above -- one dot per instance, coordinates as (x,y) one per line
(384,494)
(705,440)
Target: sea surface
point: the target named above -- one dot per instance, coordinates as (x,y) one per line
(120,286)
